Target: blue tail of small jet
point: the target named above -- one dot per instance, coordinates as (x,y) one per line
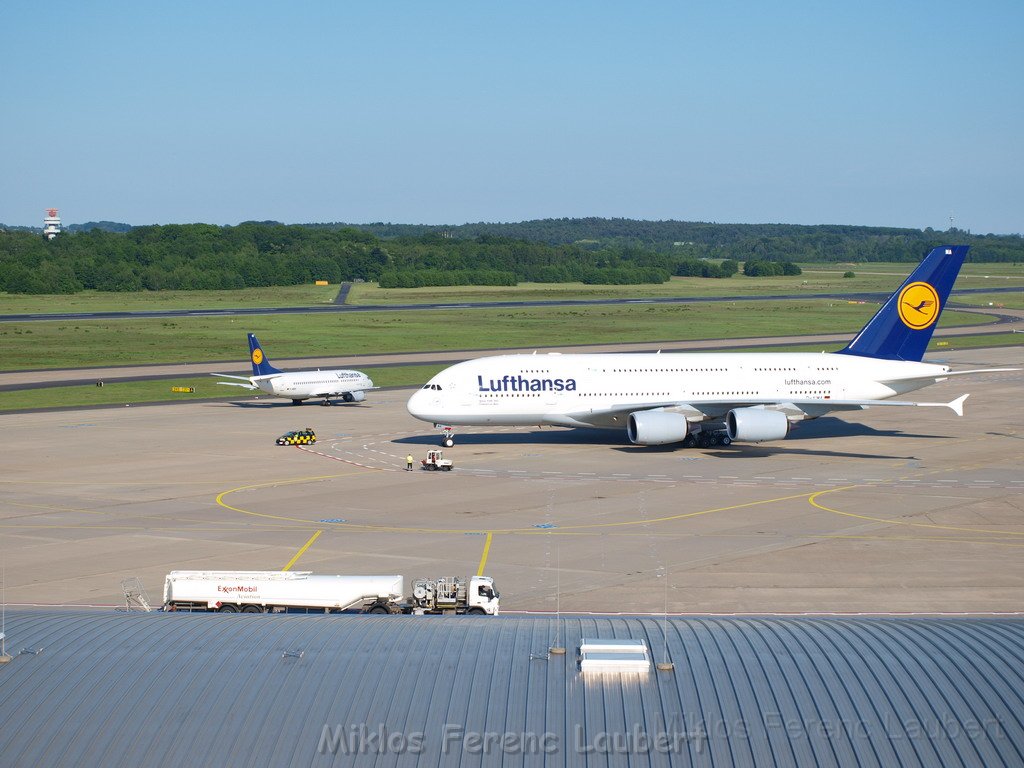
(260,363)
(902,328)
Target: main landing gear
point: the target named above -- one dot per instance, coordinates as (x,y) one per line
(346,397)
(707,439)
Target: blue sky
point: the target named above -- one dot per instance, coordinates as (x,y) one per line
(877,113)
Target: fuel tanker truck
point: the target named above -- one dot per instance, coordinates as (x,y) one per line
(281,591)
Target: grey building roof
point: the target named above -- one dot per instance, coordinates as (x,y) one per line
(112,689)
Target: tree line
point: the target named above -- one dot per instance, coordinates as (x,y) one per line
(604,251)
(255,254)
(742,242)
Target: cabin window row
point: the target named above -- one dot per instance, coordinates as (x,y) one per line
(670,370)
(705,394)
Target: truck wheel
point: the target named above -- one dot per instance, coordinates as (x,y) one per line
(227,609)
(446,469)
(252,609)
(475,611)
(378,609)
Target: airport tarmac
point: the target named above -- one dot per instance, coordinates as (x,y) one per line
(888,510)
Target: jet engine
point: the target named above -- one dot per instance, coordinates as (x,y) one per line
(354,397)
(755,425)
(656,428)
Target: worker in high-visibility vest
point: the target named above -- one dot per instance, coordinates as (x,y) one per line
(408,463)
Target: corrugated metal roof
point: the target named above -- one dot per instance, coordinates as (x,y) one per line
(112,689)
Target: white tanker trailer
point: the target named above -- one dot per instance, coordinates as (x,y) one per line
(276,591)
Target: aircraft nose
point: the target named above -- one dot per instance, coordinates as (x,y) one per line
(418,404)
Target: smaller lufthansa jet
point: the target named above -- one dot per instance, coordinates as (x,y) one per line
(350,386)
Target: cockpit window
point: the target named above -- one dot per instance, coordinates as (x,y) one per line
(432,386)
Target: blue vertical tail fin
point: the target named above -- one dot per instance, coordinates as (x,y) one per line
(260,363)
(902,328)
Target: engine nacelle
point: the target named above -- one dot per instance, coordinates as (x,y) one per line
(656,428)
(755,425)
(354,397)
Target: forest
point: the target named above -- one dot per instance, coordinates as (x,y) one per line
(592,251)
(771,242)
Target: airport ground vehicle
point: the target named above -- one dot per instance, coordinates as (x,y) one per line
(298,437)
(279,591)
(435,460)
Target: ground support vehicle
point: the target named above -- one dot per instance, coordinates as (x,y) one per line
(436,461)
(298,437)
(282,591)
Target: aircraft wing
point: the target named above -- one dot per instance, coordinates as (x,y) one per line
(943,376)
(237,384)
(700,409)
(247,385)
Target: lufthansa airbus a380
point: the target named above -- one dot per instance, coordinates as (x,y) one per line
(350,386)
(708,398)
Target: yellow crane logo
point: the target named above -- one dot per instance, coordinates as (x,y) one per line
(918,306)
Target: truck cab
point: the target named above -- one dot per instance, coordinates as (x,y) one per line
(482,596)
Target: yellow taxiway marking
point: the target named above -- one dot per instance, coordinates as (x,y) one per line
(483,557)
(302,551)
(813,501)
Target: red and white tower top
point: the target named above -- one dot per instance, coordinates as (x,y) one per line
(51,224)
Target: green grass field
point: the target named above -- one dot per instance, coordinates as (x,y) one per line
(935,348)
(980,269)
(63,344)
(100,301)
(817,278)
(1013,300)
(825,278)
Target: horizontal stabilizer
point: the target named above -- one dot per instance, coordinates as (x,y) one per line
(957,406)
(237,384)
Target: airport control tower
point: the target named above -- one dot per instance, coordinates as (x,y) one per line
(51,224)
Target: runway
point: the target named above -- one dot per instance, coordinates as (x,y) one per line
(890,510)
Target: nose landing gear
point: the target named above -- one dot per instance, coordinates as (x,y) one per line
(447,437)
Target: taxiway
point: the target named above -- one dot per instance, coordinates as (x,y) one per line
(889,510)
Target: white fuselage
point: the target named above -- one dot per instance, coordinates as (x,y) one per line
(306,384)
(577,389)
